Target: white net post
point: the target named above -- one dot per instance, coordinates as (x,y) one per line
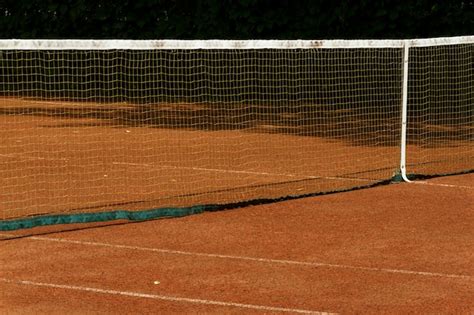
(403,140)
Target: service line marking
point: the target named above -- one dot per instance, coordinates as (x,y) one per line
(241,172)
(441,185)
(255,259)
(30,158)
(164,297)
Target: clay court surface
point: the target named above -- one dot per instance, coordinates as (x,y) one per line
(400,248)
(66,157)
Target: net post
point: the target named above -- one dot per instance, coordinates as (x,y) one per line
(403,142)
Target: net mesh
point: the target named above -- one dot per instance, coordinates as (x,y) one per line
(441,110)
(86,131)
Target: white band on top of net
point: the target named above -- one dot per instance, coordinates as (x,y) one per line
(74,44)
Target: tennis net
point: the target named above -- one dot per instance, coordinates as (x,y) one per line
(107,129)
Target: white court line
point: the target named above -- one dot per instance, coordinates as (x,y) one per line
(441,185)
(30,158)
(23,156)
(204,169)
(239,172)
(245,258)
(163,297)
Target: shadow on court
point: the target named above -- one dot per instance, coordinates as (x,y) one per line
(355,124)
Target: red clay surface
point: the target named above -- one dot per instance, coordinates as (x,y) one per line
(402,248)
(52,162)
(66,157)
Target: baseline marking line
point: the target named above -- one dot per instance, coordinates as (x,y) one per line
(263,260)
(164,297)
(442,185)
(239,172)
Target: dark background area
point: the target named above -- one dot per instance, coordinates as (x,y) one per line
(235,19)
